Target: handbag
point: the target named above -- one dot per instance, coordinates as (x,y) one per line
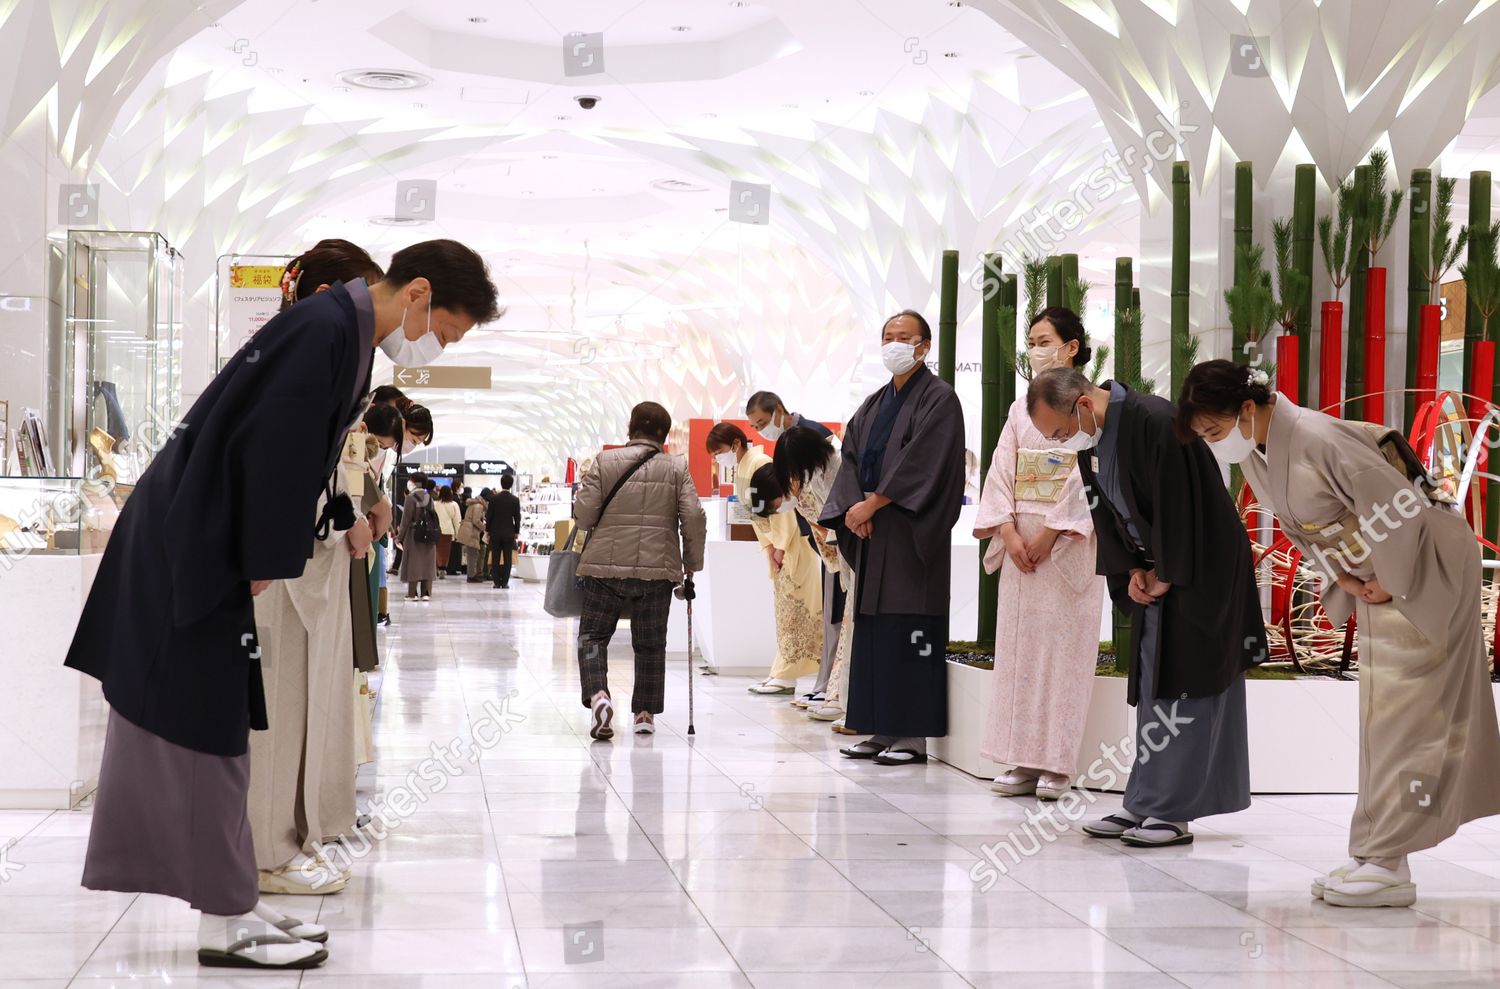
(564,597)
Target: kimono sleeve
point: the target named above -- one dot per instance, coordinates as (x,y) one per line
(913,478)
(997,502)
(846,491)
(277,508)
(1177,498)
(1071,512)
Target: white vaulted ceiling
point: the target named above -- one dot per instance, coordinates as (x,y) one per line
(887,131)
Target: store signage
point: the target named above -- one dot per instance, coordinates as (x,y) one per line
(488,467)
(253,297)
(460,377)
(442,470)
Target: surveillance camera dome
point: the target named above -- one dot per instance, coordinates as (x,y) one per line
(587,102)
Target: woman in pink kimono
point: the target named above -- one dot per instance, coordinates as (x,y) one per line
(1042,541)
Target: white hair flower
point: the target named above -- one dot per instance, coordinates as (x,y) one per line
(1257,376)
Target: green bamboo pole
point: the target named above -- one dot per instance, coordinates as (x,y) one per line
(1304,209)
(1054,281)
(1479,214)
(995,368)
(1135,298)
(1419,240)
(1244,177)
(1181,269)
(1354,373)
(1069,264)
(1128,369)
(948,316)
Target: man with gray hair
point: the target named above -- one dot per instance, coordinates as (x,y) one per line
(1177,559)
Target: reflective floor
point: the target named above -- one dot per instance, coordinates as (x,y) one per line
(750,855)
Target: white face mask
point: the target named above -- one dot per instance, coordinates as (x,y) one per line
(899,358)
(727,459)
(1234,446)
(772,431)
(412,353)
(1043,358)
(1081,441)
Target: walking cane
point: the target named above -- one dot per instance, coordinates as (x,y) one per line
(687,593)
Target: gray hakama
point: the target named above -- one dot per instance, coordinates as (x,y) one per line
(1192,754)
(190,840)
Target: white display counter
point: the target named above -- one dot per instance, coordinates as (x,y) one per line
(52,718)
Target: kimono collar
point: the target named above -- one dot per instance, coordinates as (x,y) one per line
(1285,416)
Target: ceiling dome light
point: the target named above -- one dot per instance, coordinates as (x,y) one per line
(677,185)
(397,221)
(386,79)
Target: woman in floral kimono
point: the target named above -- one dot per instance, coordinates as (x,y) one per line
(795,570)
(1047,642)
(806,464)
(1408,568)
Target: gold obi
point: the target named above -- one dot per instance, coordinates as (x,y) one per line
(1041,474)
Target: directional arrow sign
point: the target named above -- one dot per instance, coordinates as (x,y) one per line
(446,376)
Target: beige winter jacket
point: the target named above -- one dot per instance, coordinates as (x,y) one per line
(655,527)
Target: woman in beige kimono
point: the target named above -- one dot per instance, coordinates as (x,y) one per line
(1047,633)
(795,569)
(1408,568)
(806,464)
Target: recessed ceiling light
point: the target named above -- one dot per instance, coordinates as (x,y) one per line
(397,221)
(384,79)
(677,185)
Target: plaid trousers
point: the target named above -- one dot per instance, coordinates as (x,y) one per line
(647,603)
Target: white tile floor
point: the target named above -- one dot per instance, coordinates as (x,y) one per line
(750,855)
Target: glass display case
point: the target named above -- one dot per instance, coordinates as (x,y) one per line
(55,516)
(122,341)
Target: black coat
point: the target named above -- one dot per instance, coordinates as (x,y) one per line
(1211,623)
(168,627)
(503,516)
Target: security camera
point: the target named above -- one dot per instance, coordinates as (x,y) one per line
(587,102)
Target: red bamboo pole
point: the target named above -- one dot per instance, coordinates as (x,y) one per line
(1429,340)
(1483,378)
(1330,359)
(1375,345)
(1286,365)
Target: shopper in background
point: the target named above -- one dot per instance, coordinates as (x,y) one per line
(1426,710)
(1042,542)
(769,417)
(169,625)
(795,572)
(1177,559)
(806,465)
(471,536)
(503,523)
(898,493)
(448,520)
(418,539)
(646,533)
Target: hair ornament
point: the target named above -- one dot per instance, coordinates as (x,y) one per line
(1258,376)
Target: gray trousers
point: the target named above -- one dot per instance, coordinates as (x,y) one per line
(831,631)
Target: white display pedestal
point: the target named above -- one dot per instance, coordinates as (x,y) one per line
(1304,734)
(532,568)
(52,718)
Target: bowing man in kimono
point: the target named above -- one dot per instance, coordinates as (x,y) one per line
(169,629)
(1176,557)
(893,505)
(1408,568)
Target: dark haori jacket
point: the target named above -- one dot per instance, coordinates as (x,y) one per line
(907,569)
(168,627)
(1211,623)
